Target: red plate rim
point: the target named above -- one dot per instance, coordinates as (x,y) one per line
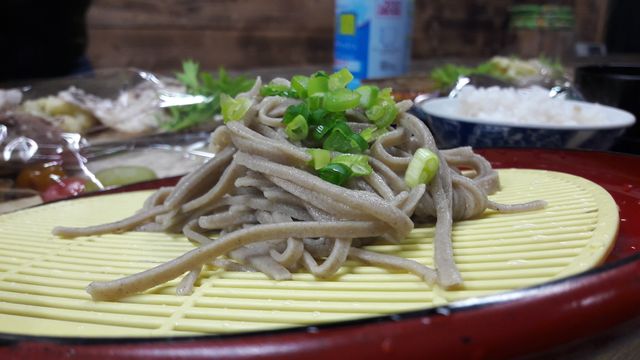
(516,323)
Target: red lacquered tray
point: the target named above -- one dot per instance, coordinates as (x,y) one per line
(519,323)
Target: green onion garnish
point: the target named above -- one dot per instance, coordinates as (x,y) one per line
(297,129)
(336,174)
(368,95)
(319,158)
(318,116)
(320,120)
(385,94)
(319,131)
(318,84)
(299,83)
(372,133)
(295,110)
(362,144)
(359,164)
(233,109)
(341,139)
(382,114)
(315,101)
(341,100)
(340,79)
(422,167)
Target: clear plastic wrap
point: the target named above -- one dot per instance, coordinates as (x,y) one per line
(57,137)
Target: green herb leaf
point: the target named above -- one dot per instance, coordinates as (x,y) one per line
(206,84)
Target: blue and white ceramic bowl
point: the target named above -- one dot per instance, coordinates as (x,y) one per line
(453,130)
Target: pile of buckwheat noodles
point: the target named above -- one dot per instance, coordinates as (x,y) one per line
(273,215)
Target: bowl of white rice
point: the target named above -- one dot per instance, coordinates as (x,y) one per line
(509,117)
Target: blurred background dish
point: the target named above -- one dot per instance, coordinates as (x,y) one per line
(452,129)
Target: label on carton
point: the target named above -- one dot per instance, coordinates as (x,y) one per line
(373,38)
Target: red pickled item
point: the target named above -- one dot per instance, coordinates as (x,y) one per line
(40,176)
(63,189)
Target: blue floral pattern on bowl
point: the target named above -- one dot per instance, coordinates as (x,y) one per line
(450,132)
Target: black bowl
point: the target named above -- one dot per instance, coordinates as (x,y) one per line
(617,86)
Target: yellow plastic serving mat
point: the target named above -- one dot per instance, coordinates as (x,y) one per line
(43,277)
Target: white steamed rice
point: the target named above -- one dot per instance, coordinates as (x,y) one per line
(528,106)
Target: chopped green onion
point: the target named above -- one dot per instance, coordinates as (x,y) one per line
(340,140)
(341,100)
(386,94)
(319,131)
(337,141)
(372,133)
(422,167)
(299,83)
(317,84)
(368,95)
(375,113)
(336,174)
(390,114)
(233,109)
(340,79)
(362,144)
(319,158)
(318,116)
(295,110)
(320,74)
(315,101)
(359,164)
(382,114)
(297,129)
(325,123)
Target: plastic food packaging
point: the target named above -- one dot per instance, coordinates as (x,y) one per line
(59,137)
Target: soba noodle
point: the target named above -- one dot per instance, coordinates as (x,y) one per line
(273,214)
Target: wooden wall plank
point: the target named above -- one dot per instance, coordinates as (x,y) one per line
(246,15)
(163,50)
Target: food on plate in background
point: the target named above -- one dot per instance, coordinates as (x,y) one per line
(18,125)
(26,138)
(488,118)
(9,99)
(73,122)
(62,114)
(531,105)
(40,176)
(134,111)
(50,181)
(512,70)
(142,103)
(121,175)
(64,188)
